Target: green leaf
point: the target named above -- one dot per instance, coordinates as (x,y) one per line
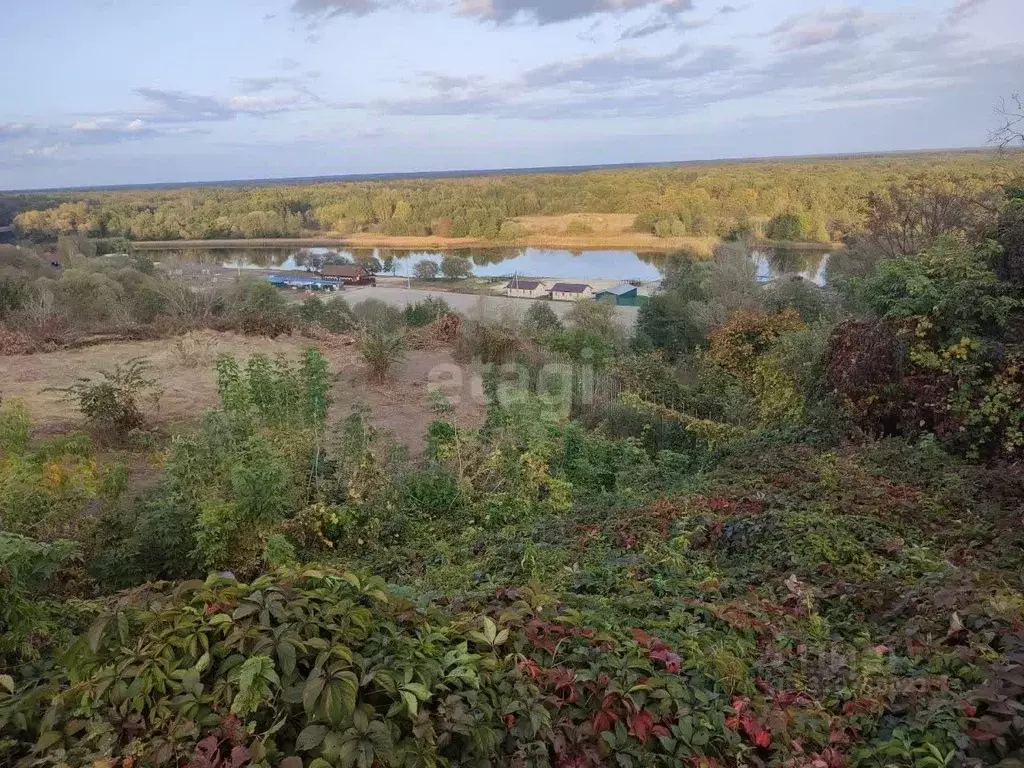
(286,655)
(311,691)
(7,682)
(245,609)
(490,630)
(310,737)
(410,702)
(331,746)
(418,690)
(47,740)
(95,634)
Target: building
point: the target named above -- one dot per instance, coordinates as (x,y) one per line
(348,274)
(571,291)
(299,283)
(526,289)
(623,295)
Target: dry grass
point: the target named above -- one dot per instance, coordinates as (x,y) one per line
(602,236)
(189,387)
(600,224)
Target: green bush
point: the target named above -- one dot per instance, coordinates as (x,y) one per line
(540,320)
(382,351)
(111,405)
(256,308)
(426,311)
(29,618)
(378,316)
(333,315)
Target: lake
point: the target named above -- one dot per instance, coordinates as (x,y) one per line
(771,263)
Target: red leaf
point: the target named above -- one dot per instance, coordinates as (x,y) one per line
(604,720)
(757,733)
(980,735)
(642,638)
(640,725)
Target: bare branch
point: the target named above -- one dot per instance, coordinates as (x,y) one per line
(1011,115)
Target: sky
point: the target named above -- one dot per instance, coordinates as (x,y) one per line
(121,91)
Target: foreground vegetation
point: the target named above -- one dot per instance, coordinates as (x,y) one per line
(796,200)
(775,526)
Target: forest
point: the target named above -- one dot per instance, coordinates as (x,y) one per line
(770,525)
(813,200)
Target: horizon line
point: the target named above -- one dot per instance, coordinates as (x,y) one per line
(470,173)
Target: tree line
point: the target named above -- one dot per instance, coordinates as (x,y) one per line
(797,200)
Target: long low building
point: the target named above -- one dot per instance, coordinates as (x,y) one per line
(526,289)
(349,274)
(571,291)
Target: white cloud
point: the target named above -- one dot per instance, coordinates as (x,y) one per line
(49,151)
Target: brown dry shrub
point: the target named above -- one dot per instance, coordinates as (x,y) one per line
(442,332)
(15,342)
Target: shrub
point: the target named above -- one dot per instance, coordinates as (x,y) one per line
(378,316)
(426,311)
(598,319)
(14,427)
(813,303)
(488,339)
(426,270)
(382,350)
(737,345)
(257,308)
(333,315)
(787,226)
(28,616)
(951,285)
(540,320)
(111,405)
(1009,262)
(576,227)
(192,349)
(670,320)
(15,294)
(87,296)
(276,392)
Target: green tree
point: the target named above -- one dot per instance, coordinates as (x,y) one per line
(426,270)
(456,267)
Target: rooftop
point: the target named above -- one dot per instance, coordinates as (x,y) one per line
(344,270)
(523,285)
(569,288)
(620,290)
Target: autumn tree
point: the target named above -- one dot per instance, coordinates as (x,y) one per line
(907,218)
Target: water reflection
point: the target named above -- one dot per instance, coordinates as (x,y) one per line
(771,264)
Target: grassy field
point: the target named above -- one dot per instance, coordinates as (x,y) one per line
(184,368)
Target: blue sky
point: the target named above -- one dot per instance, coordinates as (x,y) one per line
(122,91)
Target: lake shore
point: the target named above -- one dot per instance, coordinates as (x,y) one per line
(636,241)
